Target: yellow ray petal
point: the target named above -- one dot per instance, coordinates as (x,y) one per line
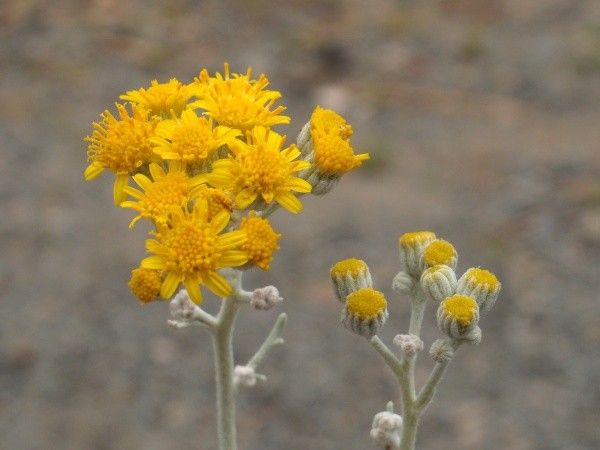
(169,285)
(153,262)
(231,240)
(233,258)
(119,193)
(193,288)
(289,202)
(218,284)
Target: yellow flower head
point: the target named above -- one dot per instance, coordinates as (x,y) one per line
(353,266)
(328,121)
(416,238)
(161,99)
(366,303)
(218,200)
(481,277)
(190,139)
(120,144)
(460,307)
(440,252)
(238,101)
(145,284)
(262,240)
(162,194)
(192,249)
(259,167)
(330,133)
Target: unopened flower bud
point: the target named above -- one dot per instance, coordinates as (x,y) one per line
(182,307)
(350,275)
(409,343)
(387,428)
(440,252)
(438,282)
(145,284)
(482,285)
(412,245)
(265,298)
(457,316)
(365,312)
(244,375)
(441,350)
(403,283)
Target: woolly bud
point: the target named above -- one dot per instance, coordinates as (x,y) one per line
(265,298)
(412,245)
(440,252)
(482,285)
(403,283)
(387,428)
(350,275)
(441,351)
(457,316)
(244,375)
(409,344)
(182,307)
(320,182)
(365,312)
(303,140)
(438,282)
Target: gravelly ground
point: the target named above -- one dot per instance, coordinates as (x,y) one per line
(482,118)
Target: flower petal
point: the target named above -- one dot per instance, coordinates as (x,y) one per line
(169,284)
(119,193)
(233,258)
(153,262)
(231,240)
(218,284)
(289,202)
(192,286)
(92,171)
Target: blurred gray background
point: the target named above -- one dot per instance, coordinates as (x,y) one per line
(482,118)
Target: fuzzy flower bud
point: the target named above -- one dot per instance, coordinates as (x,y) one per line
(350,275)
(365,312)
(244,375)
(482,285)
(403,283)
(441,351)
(387,428)
(440,252)
(409,344)
(457,316)
(265,298)
(145,284)
(412,245)
(182,307)
(438,282)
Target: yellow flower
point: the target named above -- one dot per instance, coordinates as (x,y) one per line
(161,194)
(238,101)
(121,145)
(366,303)
(192,249)
(259,167)
(145,284)
(440,252)
(330,135)
(190,139)
(262,240)
(218,200)
(352,266)
(161,99)
(461,308)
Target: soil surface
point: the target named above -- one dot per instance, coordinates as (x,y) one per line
(482,120)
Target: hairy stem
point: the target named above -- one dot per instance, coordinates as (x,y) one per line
(223,347)
(273,339)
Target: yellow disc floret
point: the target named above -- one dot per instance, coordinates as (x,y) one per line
(330,133)
(160,196)
(415,238)
(238,101)
(366,303)
(161,99)
(190,139)
(351,265)
(440,252)
(262,240)
(330,122)
(192,249)
(260,168)
(145,284)
(482,277)
(460,307)
(120,144)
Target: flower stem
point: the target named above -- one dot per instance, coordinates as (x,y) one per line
(222,340)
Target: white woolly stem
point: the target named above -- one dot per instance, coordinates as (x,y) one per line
(273,339)
(388,356)
(223,348)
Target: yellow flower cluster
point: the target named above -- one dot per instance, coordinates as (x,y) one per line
(201,162)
